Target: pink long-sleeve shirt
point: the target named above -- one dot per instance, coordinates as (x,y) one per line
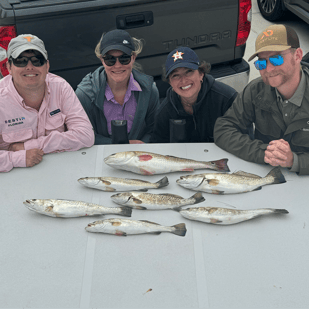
(61,124)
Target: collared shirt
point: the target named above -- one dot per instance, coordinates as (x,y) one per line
(114,111)
(61,123)
(288,109)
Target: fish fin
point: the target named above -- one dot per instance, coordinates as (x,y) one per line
(125,211)
(218,192)
(180,229)
(242,173)
(49,208)
(221,165)
(162,182)
(155,233)
(213,182)
(198,197)
(109,189)
(145,157)
(215,221)
(136,200)
(145,172)
(139,207)
(277,174)
(146,221)
(280,211)
(142,190)
(120,233)
(258,188)
(188,169)
(107,183)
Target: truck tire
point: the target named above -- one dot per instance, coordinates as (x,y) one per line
(271,10)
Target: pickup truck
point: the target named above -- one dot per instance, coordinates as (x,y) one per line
(216,30)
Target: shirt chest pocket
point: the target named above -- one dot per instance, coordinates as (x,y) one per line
(17,136)
(55,123)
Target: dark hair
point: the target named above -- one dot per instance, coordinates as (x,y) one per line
(204,67)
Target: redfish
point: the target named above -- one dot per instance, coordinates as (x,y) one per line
(147,163)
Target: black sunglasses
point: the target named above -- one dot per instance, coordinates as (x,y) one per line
(110,60)
(21,62)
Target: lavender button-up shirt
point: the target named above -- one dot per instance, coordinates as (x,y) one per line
(114,111)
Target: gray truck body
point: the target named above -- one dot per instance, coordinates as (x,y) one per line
(71,29)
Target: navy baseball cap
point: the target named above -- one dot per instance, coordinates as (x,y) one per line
(117,39)
(181,57)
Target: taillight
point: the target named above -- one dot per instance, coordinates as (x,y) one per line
(6,34)
(244,21)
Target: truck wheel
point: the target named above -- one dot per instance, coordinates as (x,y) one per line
(271,10)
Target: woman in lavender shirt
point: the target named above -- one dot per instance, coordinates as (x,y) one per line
(117,91)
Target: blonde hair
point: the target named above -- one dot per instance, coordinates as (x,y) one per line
(138,45)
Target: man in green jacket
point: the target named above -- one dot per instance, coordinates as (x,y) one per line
(277,103)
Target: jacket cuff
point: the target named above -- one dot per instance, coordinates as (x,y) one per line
(19,158)
(31,144)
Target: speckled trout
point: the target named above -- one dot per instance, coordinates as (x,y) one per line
(225,216)
(124,227)
(70,209)
(224,183)
(112,184)
(151,201)
(147,163)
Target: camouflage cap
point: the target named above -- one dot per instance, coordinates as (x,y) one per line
(276,38)
(25,42)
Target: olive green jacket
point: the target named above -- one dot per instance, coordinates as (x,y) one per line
(258,104)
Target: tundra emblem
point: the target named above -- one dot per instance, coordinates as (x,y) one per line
(197,40)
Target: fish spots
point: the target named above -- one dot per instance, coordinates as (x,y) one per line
(49,208)
(212,210)
(145,157)
(213,182)
(116,223)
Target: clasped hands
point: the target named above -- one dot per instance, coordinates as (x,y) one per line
(279,153)
(33,156)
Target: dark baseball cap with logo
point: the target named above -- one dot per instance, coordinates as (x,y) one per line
(181,57)
(118,40)
(276,38)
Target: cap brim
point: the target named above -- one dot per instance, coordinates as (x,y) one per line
(23,48)
(122,48)
(188,65)
(269,48)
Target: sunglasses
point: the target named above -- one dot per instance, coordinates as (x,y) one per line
(275,60)
(22,62)
(110,60)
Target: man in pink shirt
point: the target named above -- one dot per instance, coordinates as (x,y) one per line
(39,111)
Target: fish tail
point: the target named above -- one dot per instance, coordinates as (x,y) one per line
(277,174)
(221,165)
(180,229)
(125,211)
(162,182)
(280,211)
(177,208)
(198,197)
